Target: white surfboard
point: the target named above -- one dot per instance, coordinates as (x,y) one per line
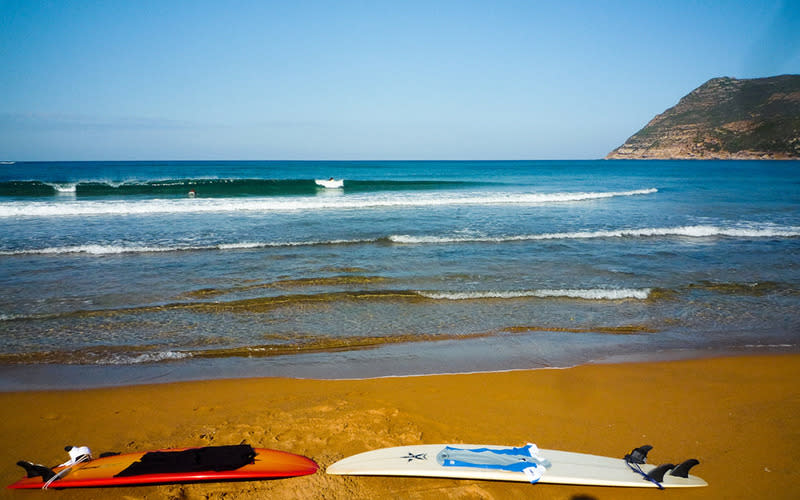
(556,467)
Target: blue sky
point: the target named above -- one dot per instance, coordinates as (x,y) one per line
(339,80)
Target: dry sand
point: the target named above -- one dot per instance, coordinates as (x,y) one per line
(739,416)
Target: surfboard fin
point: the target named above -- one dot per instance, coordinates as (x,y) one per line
(682,470)
(658,473)
(35,470)
(638,455)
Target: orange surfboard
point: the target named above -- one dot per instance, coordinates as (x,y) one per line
(210,463)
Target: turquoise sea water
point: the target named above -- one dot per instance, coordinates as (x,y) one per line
(111,273)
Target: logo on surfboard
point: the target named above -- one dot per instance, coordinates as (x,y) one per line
(416,456)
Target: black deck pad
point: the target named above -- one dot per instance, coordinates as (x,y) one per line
(209,458)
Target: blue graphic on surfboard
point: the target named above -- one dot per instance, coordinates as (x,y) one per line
(523,464)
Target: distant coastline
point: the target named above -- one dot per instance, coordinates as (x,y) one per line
(724,119)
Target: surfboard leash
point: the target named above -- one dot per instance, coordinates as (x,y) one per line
(638,456)
(81,459)
(637,469)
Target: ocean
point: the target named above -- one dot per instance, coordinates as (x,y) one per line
(132,272)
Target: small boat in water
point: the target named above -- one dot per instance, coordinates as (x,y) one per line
(330,183)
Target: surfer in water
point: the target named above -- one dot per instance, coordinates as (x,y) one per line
(192,193)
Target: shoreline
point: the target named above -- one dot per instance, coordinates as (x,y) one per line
(39,377)
(738,415)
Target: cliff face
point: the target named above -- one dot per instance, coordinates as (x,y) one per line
(725,118)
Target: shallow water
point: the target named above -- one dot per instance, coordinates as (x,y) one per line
(412,267)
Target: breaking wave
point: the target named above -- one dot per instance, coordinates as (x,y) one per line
(98,249)
(117,207)
(697,231)
(588,294)
(134,355)
(270,302)
(210,187)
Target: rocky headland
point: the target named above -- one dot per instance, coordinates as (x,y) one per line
(725,118)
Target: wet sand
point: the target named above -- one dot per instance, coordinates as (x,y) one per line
(738,415)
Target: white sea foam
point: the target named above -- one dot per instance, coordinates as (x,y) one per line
(588,294)
(97,249)
(91,250)
(67,188)
(700,231)
(223,205)
(703,231)
(148,357)
(256,244)
(245,245)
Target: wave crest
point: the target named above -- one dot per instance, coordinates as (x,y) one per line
(587,294)
(696,231)
(701,231)
(299,203)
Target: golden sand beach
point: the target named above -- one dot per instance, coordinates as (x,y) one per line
(738,415)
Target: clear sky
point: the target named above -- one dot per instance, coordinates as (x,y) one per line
(372,79)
